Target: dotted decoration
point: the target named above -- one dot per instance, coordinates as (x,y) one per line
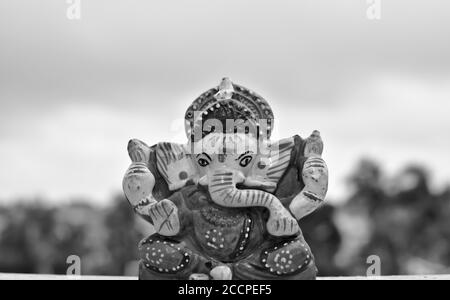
(244,238)
(214,239)
(157,257)
(284,261)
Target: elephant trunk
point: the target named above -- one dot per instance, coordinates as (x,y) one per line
(223,191)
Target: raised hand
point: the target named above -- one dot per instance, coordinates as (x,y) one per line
(138,185)
(315,177)
(138,181)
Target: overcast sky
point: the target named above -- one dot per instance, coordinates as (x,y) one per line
(72,93)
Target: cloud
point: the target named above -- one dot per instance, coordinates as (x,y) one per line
(73,92)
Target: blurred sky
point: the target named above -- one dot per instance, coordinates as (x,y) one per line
(72,93)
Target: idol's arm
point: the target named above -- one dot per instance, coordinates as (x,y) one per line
(315,177)
(138,185)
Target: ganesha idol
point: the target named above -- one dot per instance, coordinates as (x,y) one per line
(226,204)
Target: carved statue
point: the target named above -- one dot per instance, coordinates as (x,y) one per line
(226,204)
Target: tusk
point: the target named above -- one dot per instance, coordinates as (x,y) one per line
(240,178)
(203,181)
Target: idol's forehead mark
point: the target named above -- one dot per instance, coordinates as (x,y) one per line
(234,147)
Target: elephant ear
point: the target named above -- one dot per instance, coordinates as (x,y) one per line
(175,165)
(272,163)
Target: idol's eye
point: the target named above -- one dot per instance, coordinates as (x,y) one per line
(245,161)
(203,162)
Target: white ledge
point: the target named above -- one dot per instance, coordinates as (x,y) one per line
(399,277)
(6,276)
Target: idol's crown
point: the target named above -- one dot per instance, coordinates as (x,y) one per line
(237,101)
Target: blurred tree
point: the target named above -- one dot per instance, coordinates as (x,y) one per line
(123,236)
(398,218)
(23,245)
(367,184)
(78,231)
(323,236)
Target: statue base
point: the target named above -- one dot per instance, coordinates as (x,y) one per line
(308,273)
